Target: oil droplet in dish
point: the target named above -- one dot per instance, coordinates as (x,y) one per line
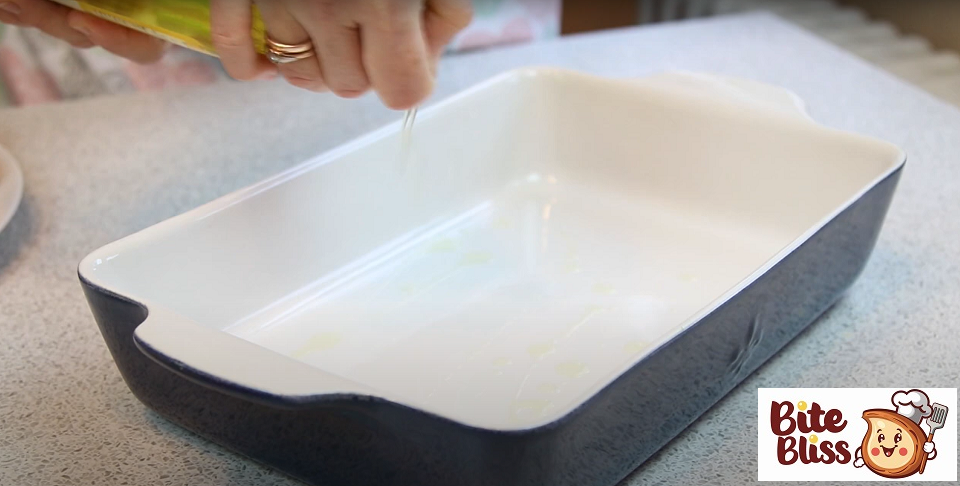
(602,288)
(548,388)
(444,245)
(540,350)
(689,277)
(318,342)
(502,223)
(475,258)
(408,289)
(572,369)
(571,268)
(501,362)
(551,179)
(634,347)
(528,408)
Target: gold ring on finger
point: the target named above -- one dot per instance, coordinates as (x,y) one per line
(282,53)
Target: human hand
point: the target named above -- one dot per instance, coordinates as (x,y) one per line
(81,30)
(929,447)
(391,46)
(858,462)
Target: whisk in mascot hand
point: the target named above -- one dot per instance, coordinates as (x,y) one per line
(895,446)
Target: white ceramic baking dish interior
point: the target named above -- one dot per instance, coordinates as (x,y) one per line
(546,231)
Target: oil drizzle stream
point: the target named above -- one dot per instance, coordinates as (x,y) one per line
(408,118)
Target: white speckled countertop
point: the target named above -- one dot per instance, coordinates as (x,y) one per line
(100,169)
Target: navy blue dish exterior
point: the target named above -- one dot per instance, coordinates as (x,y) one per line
(347,440)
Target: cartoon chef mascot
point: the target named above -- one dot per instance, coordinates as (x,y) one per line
(895,446)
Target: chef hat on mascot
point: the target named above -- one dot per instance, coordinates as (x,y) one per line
(913,404)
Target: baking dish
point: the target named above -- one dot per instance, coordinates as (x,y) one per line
(11,187)
(563,273)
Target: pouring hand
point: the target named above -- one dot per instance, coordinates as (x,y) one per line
(389,46)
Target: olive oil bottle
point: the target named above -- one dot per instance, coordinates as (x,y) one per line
(182,22)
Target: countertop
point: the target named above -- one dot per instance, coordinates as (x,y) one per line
(100,169)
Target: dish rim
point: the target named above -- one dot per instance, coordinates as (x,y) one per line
(11,179)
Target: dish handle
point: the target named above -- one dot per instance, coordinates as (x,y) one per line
(219,360)
(737,90)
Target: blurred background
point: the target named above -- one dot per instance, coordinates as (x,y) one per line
(917,40)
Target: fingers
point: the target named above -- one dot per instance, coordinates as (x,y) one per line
(282,27)
(128,43)
(44,15)
(442,19)
(390,45)
(337,41)
(395,56)
(230,24)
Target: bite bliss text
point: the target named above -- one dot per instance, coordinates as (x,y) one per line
(785,420)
